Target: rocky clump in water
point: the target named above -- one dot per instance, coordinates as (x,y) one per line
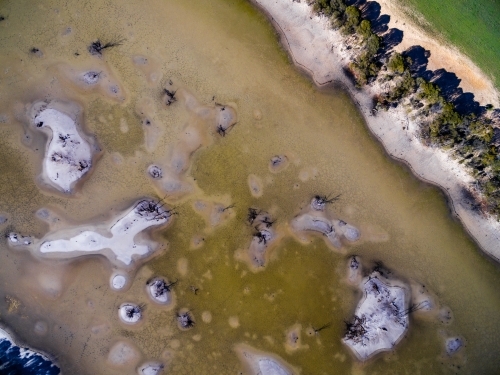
(354,270)
(91,77)
(315,218)
(453,345)
(155,172)
(380,319)
(36,52)
(16,239)
(185,320)
(319,202)
(225,118)
(118,281)
(97,47)
(264,237)
(278,163)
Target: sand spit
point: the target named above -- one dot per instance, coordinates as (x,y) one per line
(321,53)
(315,219)
(121,237)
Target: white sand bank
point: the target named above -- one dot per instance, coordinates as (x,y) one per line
(319,51)
(120,239)
(68,154)
(381,318)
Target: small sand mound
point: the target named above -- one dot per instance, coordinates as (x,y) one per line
(160,290)
(261,363)
(453,345)
(130,313)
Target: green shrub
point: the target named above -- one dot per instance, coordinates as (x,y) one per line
(365,29)
(481,130)
(396,63)
(352,19)
(428,91)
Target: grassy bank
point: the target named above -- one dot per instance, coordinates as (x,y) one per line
(473,26)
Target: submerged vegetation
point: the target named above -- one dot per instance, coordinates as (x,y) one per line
(447,117)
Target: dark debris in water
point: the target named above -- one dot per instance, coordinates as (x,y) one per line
(97,47)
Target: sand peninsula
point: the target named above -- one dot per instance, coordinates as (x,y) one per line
(322,53)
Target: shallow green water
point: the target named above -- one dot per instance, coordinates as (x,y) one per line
(224,49)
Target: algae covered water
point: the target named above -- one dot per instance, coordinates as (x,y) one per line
(212,55)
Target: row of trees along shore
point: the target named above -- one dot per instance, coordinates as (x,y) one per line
(473,138)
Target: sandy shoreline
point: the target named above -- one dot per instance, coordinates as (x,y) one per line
(319,51)
(443,55)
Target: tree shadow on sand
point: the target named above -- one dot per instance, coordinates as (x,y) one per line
(448,82)
(371,11)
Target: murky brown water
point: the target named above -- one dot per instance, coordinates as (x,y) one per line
(222,49)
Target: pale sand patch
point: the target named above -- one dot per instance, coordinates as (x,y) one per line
(320,52)
(443,55)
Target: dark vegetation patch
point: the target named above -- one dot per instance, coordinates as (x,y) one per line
(97,47)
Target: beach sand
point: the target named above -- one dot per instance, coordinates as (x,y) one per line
(321,53)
